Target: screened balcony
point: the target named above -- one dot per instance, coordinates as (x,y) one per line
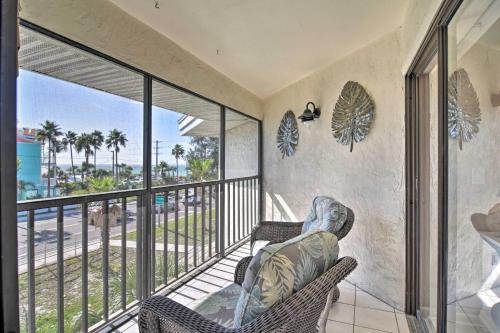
(142,187)
(148,138)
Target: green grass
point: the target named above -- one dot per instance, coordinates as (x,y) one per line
(159,231)
(46,289)
(46,278)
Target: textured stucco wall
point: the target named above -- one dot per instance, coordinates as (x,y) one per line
(370,180)
(242,150)
(103,26)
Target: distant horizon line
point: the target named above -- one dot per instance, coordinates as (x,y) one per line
(104,164)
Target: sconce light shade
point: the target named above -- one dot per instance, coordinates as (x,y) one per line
(309,115)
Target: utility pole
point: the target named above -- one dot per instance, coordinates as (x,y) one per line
(157,152)
(156,163)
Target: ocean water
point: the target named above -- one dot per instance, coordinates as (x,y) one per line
(136,169)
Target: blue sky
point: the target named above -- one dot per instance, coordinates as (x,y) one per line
(83,109)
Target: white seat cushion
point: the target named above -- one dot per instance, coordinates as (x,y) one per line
(259,245)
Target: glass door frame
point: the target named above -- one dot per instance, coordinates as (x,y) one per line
(9,312)
(434,43)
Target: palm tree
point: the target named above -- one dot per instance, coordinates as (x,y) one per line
(50,131)
(116,139)
(84,143)
(57,147)
(163,167)
(41,137)
(177,152)
(70,140)
(97,141)
(199,168)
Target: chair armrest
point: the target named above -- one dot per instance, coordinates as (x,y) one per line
(347,225)
(275,232)
(160,314)
(241,268)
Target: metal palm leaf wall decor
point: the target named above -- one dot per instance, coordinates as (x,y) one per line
(464,114)
(353,114)
(288,134)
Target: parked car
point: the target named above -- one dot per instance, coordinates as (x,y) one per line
(192,200)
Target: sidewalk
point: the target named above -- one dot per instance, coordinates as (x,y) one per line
(159,246)
(71,252)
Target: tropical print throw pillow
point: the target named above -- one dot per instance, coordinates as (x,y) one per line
(279,270)
(220,305)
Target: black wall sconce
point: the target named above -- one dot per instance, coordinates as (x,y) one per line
(309,115)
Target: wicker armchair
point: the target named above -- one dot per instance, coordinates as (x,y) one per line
(278,232)
(322,215)
(300,313)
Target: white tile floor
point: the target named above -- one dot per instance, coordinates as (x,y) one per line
(473,314)
(359,312)
(355,312)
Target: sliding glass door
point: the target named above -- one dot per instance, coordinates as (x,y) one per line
(473,168)
(453,205)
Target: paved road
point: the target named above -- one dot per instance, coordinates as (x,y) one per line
(46,227)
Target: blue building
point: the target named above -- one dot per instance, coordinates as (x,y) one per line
(29,174)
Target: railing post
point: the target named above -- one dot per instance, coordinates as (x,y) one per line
(234,216)
(186,231)
(218,217)
(176,234)
(165,238)
(123,266)
(210,198)
(153,243)
(227,225)
(147,141)
(31,272)
(260,177)
(195,227)
(203,223)
(220,221)
(105,259)
(146,246)
(138,249)
(247,206)
(85,275)
(60,269)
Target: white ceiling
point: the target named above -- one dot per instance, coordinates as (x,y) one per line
(264,45)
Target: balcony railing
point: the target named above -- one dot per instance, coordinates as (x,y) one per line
(86,260)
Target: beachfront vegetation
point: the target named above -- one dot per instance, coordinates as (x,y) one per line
(87,177)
